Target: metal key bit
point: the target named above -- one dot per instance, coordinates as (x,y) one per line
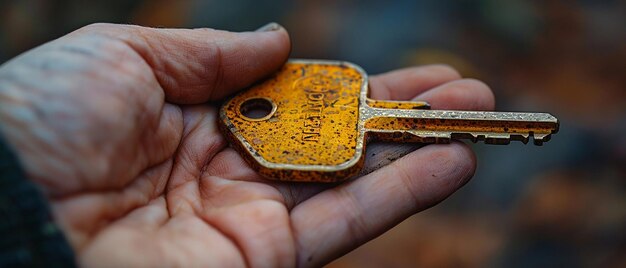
(312,119)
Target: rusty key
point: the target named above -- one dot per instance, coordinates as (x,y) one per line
(311,121)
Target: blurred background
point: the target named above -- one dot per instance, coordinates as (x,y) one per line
(560,205)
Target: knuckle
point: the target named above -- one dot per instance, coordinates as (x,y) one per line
(483,93)
(111,30)
(471,94)
(474,84)
(205,31)
(97,27)
(446,70)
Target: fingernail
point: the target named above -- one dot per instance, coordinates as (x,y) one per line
(272,26)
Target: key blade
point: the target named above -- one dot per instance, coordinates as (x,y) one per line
(439,126)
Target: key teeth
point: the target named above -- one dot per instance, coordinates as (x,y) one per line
(432,137)
(488,138)
(443,138)
(505,138)
(540,138)
(465,136)
(523,137)
(498,138)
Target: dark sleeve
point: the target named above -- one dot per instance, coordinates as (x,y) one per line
(28,235)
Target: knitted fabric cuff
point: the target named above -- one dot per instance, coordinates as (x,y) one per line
(28,235)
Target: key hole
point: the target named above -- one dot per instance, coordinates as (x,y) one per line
(257,109)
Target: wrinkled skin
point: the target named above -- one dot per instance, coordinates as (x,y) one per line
(117,125)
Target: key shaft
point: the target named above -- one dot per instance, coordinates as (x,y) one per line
(439,126)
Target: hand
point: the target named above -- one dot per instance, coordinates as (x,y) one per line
(117,125)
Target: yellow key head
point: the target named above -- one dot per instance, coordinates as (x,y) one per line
(301,124)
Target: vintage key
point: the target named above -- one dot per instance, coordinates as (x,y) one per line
(312,119)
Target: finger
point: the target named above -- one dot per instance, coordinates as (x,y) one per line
(340,219)
(407,83)
(464,94)
(197,65)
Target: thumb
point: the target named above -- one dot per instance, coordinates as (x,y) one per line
(196,65)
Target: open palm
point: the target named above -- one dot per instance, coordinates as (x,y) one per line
(117,124)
